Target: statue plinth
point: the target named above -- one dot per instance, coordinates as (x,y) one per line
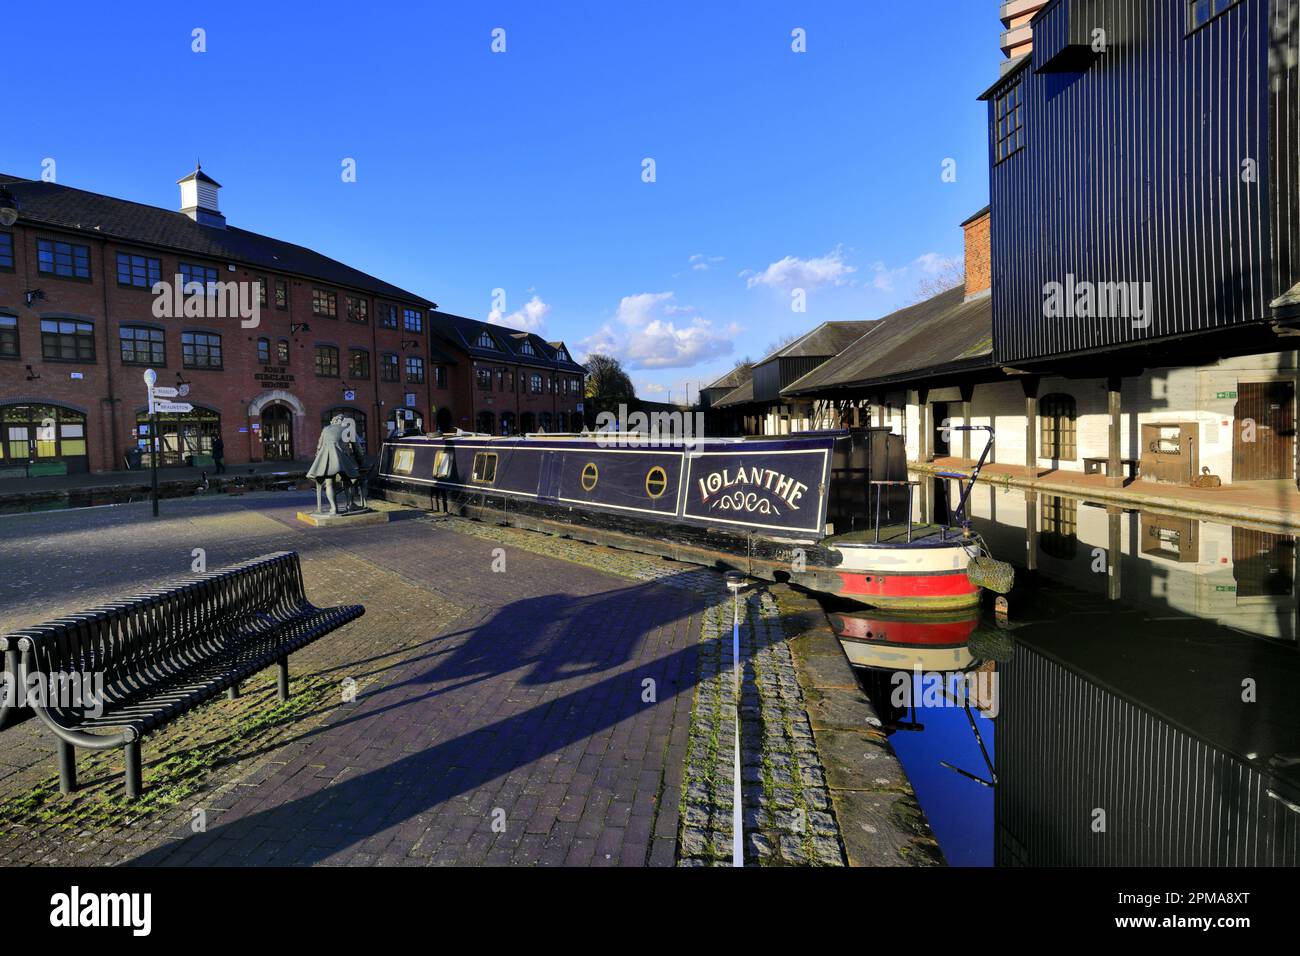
(349,519)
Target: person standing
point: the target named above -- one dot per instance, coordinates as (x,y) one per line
(219,454)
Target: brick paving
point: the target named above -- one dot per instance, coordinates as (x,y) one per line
(571,706)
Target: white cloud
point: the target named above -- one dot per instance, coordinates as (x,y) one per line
(646,333)
(702,263)
(793,272)
(651,388)
(930,264)
(531,318)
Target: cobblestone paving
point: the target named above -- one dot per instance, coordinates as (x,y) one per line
(787,817)
(501,718)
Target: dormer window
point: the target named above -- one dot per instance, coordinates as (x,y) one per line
(562,354)
(527,348)
(485,341)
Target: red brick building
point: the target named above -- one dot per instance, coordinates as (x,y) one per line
(264,338)
(511,382)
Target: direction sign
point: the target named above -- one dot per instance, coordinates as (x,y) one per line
(168,408)
(165,391)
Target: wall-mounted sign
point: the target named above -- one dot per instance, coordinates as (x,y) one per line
(256,427)
(349,395)
(1225,394)
(243,431)
(274,375)
(75,374)
(410,401)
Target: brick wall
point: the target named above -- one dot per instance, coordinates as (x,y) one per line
(111,394)
(978,269)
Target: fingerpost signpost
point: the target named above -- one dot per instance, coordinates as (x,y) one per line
(156,405)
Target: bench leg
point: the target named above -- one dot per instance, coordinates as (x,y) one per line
(232,693)
(67,767)
(284,678)
(133,769)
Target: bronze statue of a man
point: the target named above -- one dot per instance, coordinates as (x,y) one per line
(333,460)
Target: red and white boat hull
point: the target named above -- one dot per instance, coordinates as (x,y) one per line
(929,576)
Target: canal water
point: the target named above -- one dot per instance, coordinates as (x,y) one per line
(1139,703)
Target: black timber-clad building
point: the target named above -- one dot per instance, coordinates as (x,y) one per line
(1146,142)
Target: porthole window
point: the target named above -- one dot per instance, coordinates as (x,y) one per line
(656,482)
(485,467)
(590,475)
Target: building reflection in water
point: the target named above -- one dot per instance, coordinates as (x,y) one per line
(1145,710)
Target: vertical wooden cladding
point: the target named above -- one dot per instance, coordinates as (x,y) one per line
(1132,172)
(1067,748)
(1284,143)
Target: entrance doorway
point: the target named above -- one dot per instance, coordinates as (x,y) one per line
(941,447)
(1263,435)
(277,432)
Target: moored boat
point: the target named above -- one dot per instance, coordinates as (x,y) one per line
(828,511)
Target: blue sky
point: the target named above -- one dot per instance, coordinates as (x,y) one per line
(523,170)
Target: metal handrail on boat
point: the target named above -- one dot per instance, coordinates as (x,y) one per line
(963,520)
(908,483)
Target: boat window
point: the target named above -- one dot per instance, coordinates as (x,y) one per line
(442,464)
(590,475)
(656,482)
(485,467)
(403,460)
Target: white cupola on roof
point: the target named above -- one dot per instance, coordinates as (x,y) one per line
(199,198)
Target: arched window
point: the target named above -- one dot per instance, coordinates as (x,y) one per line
(264,351)
(562,422)
(357,417)
(180,437)
(1058,536)
(527,423)
(546,421)
(486,423)
(507,423)
(1057,414)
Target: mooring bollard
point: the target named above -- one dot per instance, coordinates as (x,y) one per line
(736,584)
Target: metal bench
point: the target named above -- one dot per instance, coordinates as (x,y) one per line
(166,651)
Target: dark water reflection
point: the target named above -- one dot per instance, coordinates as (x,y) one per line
(1146,708)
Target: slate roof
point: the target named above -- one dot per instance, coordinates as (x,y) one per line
(76,210)
(738,376)
(463,333)
(942,334)
(743,395)
(829,338)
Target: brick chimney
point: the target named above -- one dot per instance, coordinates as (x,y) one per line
(979,277)
(1018,37)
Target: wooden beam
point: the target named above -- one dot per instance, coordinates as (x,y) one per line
(967,395)
(1030,386)
(1114,467)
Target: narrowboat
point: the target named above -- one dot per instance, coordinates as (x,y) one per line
(829,511)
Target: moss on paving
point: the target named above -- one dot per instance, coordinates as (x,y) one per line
(174,777)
